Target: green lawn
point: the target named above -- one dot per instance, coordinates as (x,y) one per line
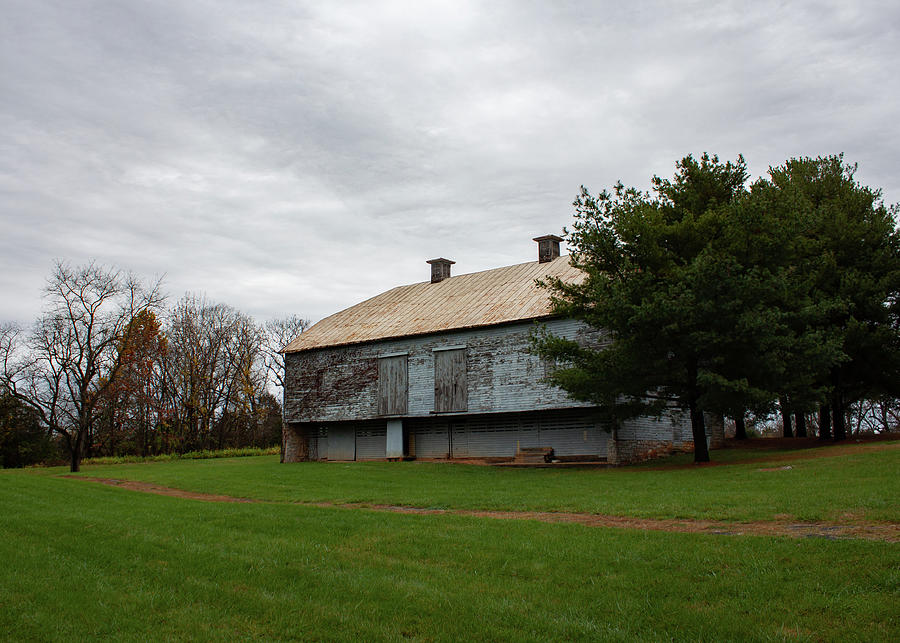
(86,561)
(866,485)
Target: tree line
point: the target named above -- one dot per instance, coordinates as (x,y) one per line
(110,369)
(719,297)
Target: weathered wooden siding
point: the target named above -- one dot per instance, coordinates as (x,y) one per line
(669,427)
(341,384)
(569,432)
(644,438)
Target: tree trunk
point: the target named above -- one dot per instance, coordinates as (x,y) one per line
(740,428)
(824,421)
(142,430)
(75,461)
(837,415)
(786,419)
(883,412)
(800,423)
(698,428)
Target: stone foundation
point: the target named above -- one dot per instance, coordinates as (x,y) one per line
(626,448)
(296,444)
(632,451)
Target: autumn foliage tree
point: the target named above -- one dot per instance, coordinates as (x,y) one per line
(132,411)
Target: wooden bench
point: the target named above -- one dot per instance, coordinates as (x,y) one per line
(533,455)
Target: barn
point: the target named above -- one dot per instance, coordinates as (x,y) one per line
(442,369)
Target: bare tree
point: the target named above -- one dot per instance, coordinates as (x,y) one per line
(873,416)
(277,334)
(72,355)
(215,375)
(196,337)
(243,378)
(10,350)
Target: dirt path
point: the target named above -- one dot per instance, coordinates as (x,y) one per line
(886,532)
(147,487)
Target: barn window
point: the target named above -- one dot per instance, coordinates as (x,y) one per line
(392,384)
(450,386)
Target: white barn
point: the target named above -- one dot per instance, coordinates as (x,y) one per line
(442,369)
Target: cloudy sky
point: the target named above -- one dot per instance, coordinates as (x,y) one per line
(300,157)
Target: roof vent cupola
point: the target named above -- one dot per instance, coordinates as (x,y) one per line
(548,247)
(440,269)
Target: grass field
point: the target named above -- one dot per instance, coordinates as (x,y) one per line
(88,561)
(864,483)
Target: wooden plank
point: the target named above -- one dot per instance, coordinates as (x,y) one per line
(393,385)
(450,382)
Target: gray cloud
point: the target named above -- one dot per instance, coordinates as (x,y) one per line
(297,159)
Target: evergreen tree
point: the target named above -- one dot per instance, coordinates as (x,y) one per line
(843,257)
(685,321)
(722,300)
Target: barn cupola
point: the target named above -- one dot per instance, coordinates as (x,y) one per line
(548,247)
(440,269)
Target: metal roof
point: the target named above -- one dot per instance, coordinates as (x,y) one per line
(485,298)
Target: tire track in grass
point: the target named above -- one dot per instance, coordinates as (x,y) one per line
(885,532)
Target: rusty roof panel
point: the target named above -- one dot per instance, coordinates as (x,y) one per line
(485,298)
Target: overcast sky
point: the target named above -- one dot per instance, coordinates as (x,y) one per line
(301,157)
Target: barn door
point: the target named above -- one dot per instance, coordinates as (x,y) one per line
(459,440)
(450,385)
(393,391)
(341,443)
(431,439)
